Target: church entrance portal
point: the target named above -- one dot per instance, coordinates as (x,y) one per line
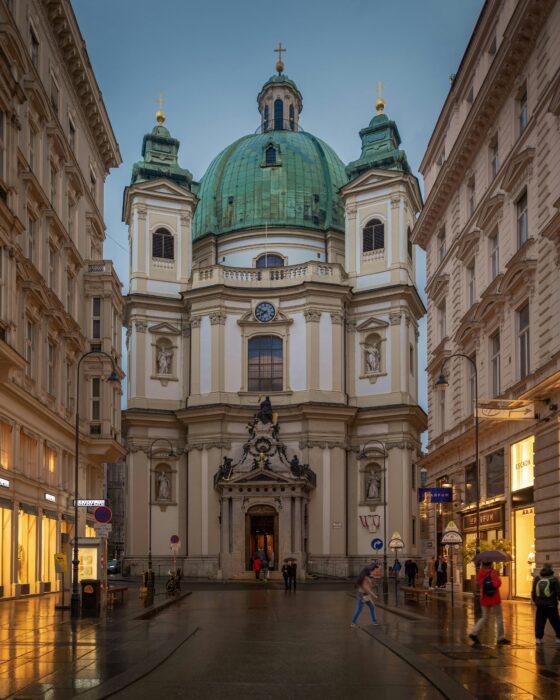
(261,534)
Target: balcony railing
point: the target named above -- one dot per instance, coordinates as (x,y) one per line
(313,271)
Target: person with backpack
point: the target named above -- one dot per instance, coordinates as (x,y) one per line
(546,590)
(489,584)
(366,594)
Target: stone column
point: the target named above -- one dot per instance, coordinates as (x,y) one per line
(312,318)
(195,360)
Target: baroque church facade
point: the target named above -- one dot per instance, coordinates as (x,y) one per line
(272,327)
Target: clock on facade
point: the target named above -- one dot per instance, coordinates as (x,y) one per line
(265,312)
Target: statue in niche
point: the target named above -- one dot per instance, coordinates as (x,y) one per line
(265,411)
(373,485)
(164,486)
(226,468)
(373,358)
(164,358)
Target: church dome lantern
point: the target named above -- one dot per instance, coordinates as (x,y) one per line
(279,100)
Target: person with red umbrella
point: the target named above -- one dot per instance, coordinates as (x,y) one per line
(489,583)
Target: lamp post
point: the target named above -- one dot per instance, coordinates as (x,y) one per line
(171,454)
(363,455)
(113,378)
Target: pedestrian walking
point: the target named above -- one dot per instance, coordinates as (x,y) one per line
(292,574)
(286,575)
(489,583)
(366,594)
(431,572)
(546,590)
(411,571)
(441,572)
(265,571)
(257,567)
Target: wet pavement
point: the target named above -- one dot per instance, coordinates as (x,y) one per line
(240,639)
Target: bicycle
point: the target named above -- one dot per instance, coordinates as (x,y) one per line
(173,583)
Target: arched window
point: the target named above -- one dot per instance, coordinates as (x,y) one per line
(162,244)
(266,117)
(374,236)
(270,155)
(278,114)
(270,260)
(266,363)
(292,117)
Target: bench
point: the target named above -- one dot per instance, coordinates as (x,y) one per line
(112,593)
(409,590)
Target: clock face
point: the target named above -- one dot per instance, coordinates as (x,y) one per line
(265,312)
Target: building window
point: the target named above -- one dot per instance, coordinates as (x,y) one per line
(495,474)
(441,245)
(266,363)
(442,321)
(51,368)
(522,112)
(493,46)
(52,267)
(2,143)
(53,186)
(96,398)
(30,237)
(270,260)
(523,336)
(29,342)
(471,392)
(292,118)
(266,117)
(494,159)
(71,134)
(470,483)
(28,452)
(494,256)
(522,220)
(96,317)
(374,236)
(34,47)
(470,95)
(409,242)
(411,359)
(93,185)
(70,294)
(162,244)
(495,363)
(270,155)
(69,391)
(32,147)
(278,114)
(471,285)
(470,197)
(55,95)
(50,460)
(5,446)
(70,217)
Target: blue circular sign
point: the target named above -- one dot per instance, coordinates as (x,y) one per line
(103,514)
(376,543)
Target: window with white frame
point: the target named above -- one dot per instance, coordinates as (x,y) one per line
(96,317)
(51,368)
(52,267)
(441,245)
(494,157)
(471,285)
(523,341)
(29,344)
(96,398)
(494,255)
(522,219)
(441,321)
(522,112)
(495,363)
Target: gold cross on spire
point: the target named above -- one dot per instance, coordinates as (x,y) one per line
(380,102)
(160,115)
(279,62)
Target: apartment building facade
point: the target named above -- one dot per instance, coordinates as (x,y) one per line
(58,297)
(491,231)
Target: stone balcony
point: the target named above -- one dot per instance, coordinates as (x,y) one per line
(292,275)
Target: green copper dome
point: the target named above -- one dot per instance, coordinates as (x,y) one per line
(277,178)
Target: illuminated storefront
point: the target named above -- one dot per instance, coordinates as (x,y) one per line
(5,546)
(48,550)
(27,549)
(522,466)
(491,529)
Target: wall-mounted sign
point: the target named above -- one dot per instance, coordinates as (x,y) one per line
(522,464)
(451,534)
(337,525)
(89,502)
(4,483)
(440,495)
(50,497)
(489,517)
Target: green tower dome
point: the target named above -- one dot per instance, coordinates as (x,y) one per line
(279,178)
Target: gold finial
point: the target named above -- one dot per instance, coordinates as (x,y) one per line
(160,115)
(380,102)
(280,62)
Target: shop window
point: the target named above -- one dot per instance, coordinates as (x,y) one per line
(6,445)
(27,547)
(270,260)
(265,363)
(373,236)
(163,244)
(495,474)
(90,531)
(5,548)
(48,550)
(522,464)
(524,525)
(470,483)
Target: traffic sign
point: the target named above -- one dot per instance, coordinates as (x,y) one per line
(102,529)
(89,502)
(175,539)
(103,514)
(376,543)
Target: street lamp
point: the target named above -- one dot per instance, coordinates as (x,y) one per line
(113,378)
(170,454)
(442,384)
(363,455)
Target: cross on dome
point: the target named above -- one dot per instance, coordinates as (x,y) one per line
(279,62)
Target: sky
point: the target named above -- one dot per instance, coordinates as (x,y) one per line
(209,60)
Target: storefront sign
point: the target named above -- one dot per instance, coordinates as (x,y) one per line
(4,483)
(490,517)
(60,563)
(89,502)
(522,464)
(50,497)
(441,495)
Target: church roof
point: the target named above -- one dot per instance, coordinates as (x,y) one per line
(242,189)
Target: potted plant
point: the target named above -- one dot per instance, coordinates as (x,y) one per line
(502,545)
